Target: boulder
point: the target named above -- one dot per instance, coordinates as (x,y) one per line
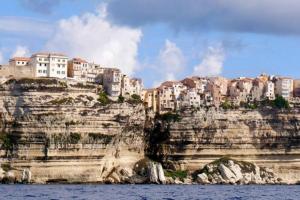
(115,177)
(236,169)
(226,173)
(202,178)
(160,173)
(26,176)
(153,177)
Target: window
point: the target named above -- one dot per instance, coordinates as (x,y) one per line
(40,71)
(58,72)
(40,59)
(53,59)
(40,64)
(62,72)
(58,60)
(44,71)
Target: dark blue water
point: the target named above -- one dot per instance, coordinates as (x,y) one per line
(143,192)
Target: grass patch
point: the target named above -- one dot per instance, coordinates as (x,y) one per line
(181,175)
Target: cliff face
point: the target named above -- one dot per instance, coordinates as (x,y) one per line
(268,138)
(51,131)
(62,133)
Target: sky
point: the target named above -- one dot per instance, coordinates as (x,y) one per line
(159,40)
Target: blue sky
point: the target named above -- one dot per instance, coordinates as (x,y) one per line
(159,39)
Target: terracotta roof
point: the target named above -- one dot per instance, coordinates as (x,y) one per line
(48,54)
(79,60)
(19,59)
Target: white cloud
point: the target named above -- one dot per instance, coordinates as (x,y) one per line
(212,62)
(169,63)
(171,60)
(21,51)
(94,38)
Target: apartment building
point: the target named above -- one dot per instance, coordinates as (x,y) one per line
(112,78)
(284,87)
(78,69)
(269,91)
(169,95)
(257,91)
(150,99)
(190,98)
(49,65)
(222,83)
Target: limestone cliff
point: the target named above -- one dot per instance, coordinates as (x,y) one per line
(269,138)
(52,131)
(62,133)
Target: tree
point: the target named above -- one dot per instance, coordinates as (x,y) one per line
(103,99)
(121,99)
(281,102)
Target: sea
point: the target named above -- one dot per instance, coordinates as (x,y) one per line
(144,192)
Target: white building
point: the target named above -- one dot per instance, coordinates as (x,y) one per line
(284,87)
(49,65)
(170,95)
(269,90)
(191,98)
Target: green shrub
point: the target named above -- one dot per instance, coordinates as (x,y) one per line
(281,103)
(226,105)
(176,174)
(169,117)
(101,137)
(135,99)
(121,99)
(7,141)
(103,98)
(75,138)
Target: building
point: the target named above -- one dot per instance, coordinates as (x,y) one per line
(257,91)
(150,99)
(136,86)
(78,69)
(215,94)
(222,83)
(296,88)
(49,65)
(169,94)
(284,87)
(112,81)
(269,91)
(190,98)
(20,67)
(95,73)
